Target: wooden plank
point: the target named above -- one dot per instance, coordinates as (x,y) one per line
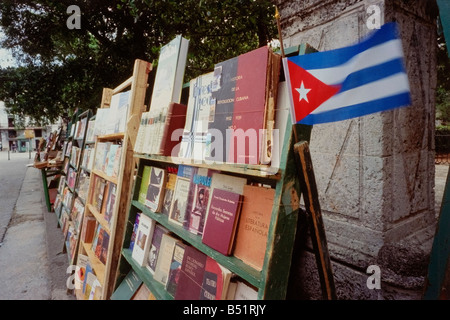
(106,97)
(126,174)
(312,205)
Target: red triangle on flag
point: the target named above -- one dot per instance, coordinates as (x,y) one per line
(308,92)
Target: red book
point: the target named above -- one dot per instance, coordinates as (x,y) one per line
(221,221)
(246,94)
(175,119)
(191,275)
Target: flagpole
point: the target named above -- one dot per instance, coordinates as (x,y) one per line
(277,17)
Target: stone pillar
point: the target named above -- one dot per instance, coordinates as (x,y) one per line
(375,174)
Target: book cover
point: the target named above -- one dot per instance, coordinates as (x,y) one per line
(155,190)
(245,292)
(215,281)
(98,193)
(143,293)
(174,122)
(245,91)
(175,268)
(119,106)
(110,201)
(103,254)
(88,229)
(135,227)
(222,220)
(128,287)
(164,258)
(144,184)
(201,184)
(191,276)
(167,88)
(181,202)
(110,159)
(144,235)
(82,262)
(155,247)
(201,107)
(253,229)
(169,189)
(117,159)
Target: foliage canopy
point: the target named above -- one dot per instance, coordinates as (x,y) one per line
(61,69)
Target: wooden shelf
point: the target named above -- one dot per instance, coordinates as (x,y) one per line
(155,287)
(103,175)
(234,264)
(258,171)
(99,217)
(96,264)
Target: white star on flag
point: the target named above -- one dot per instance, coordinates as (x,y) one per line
(303,92)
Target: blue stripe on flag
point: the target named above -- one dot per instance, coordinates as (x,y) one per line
(358,110)
(332,58)
(372,74)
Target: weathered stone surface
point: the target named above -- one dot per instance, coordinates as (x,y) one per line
(375,174)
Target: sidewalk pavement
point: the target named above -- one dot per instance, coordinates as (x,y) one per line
(33,266)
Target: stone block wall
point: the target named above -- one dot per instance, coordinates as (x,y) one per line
(375,174)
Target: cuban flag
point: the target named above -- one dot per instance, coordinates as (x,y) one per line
(348,82)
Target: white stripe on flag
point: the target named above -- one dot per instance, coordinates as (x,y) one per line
(386,87)
(371,57)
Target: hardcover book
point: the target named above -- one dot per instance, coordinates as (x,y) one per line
(155,190)
(175,268)
(215,281)
(88,229)
(169,190)
(167,88)
(174,122)
(181,202)
(191,275)
(200,110)
(252,233)
(201,184)
(155,247)
(165,258)
(245,90)
(222,219)
(144,184)
(110,201)
(143,238)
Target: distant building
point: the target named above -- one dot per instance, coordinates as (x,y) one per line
(20,134)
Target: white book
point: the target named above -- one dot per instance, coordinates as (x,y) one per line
(142,243)
(165,258)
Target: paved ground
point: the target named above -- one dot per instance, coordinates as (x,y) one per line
(32,266)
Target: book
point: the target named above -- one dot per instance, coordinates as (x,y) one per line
(88,229)
(169,189)
(102,251)
(139,145)
(245,291)
(80,271)
(181,202)
(191,275)
(175,268)
(110,202)
(135,227)
(226,182)
(144,184)
(143,237)
(172,129)
(216,279)
(201,184)
(128,287)
(252,233)
(143,293)
(98,193)
(110,159)
(119,111)
(167,88)
(200,109)
(155,190)
(164,258)
(245,91)
(222,219)
(155,247)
